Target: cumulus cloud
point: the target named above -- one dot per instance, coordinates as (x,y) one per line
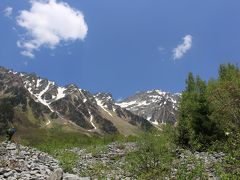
(181,49)
(8,11)
(48,23)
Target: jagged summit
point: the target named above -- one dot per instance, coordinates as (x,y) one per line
(156,106)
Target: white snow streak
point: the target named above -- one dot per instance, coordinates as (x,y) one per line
(99,103)
(43,101)
(84,97)
(38,96)
(91,121)
(48,122)
(38,82)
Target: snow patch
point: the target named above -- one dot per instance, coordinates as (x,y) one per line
(126,104)
(149,117)
(60,93)
(155,123)
(38,82)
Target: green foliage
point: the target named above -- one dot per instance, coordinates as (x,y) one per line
(6,117)
(224,95)
(154,155)
(209,111)
(229,168)
(195,128)
(67,159)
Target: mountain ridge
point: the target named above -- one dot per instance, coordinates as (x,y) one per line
(68,105)
(93,113)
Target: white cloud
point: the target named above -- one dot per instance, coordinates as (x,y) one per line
(8,11)
(48,23)
(181,49)
(161,49)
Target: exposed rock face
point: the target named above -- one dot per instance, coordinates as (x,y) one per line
(107,103)
(49,102)
(156,106)
(19,162)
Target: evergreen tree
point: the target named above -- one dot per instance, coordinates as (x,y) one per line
(195,127)
(224,95)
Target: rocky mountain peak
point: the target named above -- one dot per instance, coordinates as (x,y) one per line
(156,106)
(105,98)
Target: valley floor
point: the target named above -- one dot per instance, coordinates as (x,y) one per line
(149,156)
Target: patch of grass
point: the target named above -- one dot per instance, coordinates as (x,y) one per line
(67,160)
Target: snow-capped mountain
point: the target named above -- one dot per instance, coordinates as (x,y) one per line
(156,106)
(45,102)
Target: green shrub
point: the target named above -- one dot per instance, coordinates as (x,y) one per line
(154,156)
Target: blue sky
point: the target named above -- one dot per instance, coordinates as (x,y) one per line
(128,46)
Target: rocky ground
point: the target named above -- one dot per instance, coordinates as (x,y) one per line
(188,161)
(23,163)
(108,162)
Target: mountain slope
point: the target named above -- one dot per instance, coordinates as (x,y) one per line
(156,106)
(42,103)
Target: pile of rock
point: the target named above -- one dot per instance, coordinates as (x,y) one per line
(107,163)
(190,160)
(23,163)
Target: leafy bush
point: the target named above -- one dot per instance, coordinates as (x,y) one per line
(154,155)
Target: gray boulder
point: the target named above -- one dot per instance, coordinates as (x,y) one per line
(74,177)
(56,175)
